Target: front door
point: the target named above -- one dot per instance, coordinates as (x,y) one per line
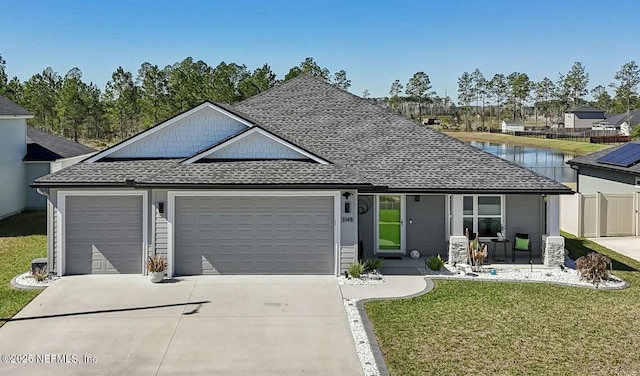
(390,228)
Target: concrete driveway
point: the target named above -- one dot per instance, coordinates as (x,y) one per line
(625,245)
(209,325)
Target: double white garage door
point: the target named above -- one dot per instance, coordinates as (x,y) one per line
(212,235)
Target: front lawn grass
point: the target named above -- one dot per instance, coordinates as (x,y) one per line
(22,238)
(494,328)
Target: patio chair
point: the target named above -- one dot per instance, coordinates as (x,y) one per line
(521,243)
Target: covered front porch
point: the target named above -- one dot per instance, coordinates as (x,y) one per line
(390,226)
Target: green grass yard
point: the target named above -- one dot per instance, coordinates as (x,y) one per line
(22,238)
(494,328)
(569,147)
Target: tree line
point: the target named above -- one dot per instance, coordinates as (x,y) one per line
(509,97)
(131,102)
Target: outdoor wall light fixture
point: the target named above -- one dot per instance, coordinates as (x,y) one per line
(347,205)
(160,207)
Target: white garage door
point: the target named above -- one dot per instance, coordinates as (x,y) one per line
(103,234)
(254,235)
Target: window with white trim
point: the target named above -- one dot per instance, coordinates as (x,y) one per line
(483,214)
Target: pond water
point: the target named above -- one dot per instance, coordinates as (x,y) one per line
(548,162)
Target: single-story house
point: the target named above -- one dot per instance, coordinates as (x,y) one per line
(290,181)
(582,117)
(608,193)
(512,126)
(613,170)
(620,122)
(26,154)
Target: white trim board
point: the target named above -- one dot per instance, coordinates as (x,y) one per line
(60,213)
(243,135)
(163,125)
(171,204)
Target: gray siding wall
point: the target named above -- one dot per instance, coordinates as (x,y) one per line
(365,226)
(425,225)
(525,215)
(33,200)
(159,222)
(594,180)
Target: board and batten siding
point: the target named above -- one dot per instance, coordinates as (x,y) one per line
(425,225)
(183,138)
(524,214)
(159,234)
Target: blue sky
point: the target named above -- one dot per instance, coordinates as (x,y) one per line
(376,42)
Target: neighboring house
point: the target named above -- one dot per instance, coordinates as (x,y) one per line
(512,126)
(289,181)
(582,118)
(26,154)
(13,147)
(623,123)
(47,153)
(607,199)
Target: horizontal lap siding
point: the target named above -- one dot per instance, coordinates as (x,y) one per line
(161,225)
(348,255)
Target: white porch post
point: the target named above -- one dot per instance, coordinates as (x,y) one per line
(554,243)
(457,241)
(553,215)
(456,213)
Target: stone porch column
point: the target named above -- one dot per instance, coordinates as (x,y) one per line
(458,246)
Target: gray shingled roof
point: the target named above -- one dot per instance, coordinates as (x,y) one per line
(9,108)
(584,109)
(165,172)
(618,119)
(382,146)
(365,143)
(590,160)
(43,146)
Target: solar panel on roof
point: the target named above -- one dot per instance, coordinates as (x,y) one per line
(625,156)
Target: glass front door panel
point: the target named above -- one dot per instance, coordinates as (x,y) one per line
(389,223)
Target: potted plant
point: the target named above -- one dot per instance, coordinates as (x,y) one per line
(156,265)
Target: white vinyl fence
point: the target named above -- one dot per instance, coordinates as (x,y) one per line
(600,214)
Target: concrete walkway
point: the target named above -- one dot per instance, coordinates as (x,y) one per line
(625,245)
(207,325)
(394,286)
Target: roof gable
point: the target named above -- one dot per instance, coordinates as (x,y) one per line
(181,136)
(255,144)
